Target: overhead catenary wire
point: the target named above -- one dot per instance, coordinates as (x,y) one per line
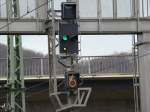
(37,85)
(132,59)
(44,90)
(3,4)
(47,88)
(25,14)
(19,18)
(16,19)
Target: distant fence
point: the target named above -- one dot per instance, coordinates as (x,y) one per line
(87,65)
(106,64)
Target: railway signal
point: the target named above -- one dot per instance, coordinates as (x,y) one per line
(68,38)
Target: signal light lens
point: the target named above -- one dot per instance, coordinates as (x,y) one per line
(65,37)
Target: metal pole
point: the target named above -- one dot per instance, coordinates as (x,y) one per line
(89,65)
(135,80)
(52,49)
(42,69)
(144,63)
(143,8)
(0,9)
(147,7)
(133,7)
(114,9)
(16,95)
(20,94)
(10,76)
(99,11)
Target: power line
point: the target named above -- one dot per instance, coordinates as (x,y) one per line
(36,85)
(25,14)
(102,70)
(44,90)
(37,92)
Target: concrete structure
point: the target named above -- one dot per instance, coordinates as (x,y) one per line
(109,95)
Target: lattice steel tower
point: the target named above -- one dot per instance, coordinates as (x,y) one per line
(15,82)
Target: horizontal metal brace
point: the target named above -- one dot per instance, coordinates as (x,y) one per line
(88,26)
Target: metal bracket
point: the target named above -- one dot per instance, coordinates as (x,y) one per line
(80,100)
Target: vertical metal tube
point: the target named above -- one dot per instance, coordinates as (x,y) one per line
(42,69)
(138,14)
(147,7)
(0,9)
(133,12)
(54,46)
(99,11)
(52,51)
(143,8)
(144,71)
(135,81)
(114,9)
(89,65)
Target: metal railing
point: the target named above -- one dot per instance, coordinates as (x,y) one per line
(106,64)
(87,65)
